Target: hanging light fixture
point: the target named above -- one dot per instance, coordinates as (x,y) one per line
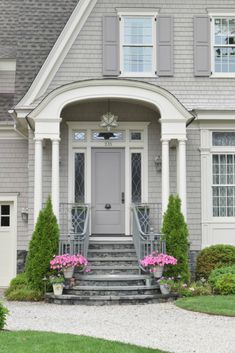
(109,120)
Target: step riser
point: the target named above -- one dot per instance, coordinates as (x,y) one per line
(120,292)
(111,246)
(91,301)
(110,283)
(111,255)
(113,263)
(113,271)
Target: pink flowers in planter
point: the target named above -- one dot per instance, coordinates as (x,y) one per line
(155,259)
(61,262)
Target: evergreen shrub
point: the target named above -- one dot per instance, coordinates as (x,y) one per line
(43,246)
(175,231)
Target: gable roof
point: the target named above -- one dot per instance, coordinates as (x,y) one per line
(58,51)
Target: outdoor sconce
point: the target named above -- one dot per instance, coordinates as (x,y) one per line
(25,214)
(158,163)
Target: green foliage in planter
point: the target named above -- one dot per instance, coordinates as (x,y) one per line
(216,273)
(225,284)
(213,257)
(20,290)
(43,246)
(176,232)
(3,316)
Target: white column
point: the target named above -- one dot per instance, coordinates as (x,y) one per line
(182,175)
(165,175)
(55,177)
(37,178)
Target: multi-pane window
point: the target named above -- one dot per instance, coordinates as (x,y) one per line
(137,44)
(224,44)
(4,215)
(223,185)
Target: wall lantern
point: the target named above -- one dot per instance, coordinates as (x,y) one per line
(158,163)
(25,214)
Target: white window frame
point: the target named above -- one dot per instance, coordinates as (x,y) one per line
(213,16)
(217,150)
(143,13)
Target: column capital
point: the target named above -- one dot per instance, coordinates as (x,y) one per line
(182,140)
(165,140)
(55,139)
(38,139)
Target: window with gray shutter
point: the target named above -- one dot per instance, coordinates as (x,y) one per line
(165,64)
(202,39)
(111,46)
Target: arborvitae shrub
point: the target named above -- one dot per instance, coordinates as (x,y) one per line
(43,246)
(176,232)
(212,257)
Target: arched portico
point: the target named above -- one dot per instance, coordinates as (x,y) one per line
(47,118)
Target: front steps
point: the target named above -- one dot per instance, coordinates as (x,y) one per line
(115,278)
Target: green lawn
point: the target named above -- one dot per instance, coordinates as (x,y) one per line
(214,305)
(43,342)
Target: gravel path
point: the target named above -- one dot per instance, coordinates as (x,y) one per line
(162,326)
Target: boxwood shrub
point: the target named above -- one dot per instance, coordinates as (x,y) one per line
(213,257)
(216,273)
(225,284)
(3,316)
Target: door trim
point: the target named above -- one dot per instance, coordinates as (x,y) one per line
(12,199)
(129,146)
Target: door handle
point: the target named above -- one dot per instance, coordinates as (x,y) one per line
(107,206)
(123,197)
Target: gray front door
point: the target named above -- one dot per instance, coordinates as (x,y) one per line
(108,206)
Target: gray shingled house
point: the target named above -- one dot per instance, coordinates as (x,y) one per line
(110,106)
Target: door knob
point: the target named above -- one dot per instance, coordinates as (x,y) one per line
(107,206)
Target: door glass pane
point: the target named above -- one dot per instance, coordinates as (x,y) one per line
(5,221)
(136,177)
(5,216)
(223,138)
(79,177)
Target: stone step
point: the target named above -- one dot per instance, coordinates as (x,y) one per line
(111,259)
(114,288)
(107,299)
(111,245)
(113,253)
(112,279)
(117,269)
(120,291)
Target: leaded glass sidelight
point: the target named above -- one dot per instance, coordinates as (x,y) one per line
(79,177)
(136,177)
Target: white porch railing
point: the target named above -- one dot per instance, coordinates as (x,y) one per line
(146,234)
(74,228)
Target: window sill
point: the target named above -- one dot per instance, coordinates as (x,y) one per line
(223,75)
(139,75)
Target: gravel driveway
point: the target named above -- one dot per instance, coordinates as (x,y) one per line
(162,326)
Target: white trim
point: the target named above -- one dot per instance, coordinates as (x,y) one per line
(11,133)
(59,51)
(129,146)
(213,45)
(169,107)
(13,199)
(130,13)
(143,11)
(211,226)
(7,64)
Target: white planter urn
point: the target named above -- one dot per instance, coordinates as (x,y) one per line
(58,288)
(165,288)
(68,272)
(158,271)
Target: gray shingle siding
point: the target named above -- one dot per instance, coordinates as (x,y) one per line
(84,61)
(14,179)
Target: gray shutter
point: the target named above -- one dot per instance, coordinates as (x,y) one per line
(165,64)
(110,46)
(202,65)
